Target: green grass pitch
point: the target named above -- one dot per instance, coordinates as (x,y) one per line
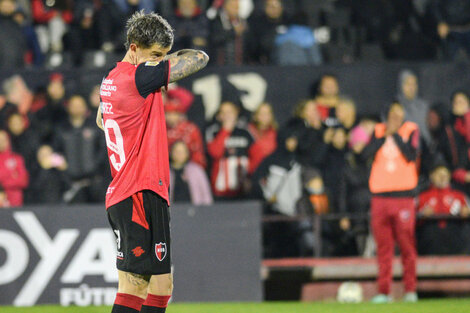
(424,306)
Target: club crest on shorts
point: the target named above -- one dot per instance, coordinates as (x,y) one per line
(160,250)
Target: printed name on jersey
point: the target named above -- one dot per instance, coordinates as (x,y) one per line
(106,108)
(151,63)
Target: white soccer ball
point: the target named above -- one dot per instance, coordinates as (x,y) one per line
(349,292)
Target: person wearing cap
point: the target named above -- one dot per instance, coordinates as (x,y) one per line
(393,182)
(438,237)
(177,103)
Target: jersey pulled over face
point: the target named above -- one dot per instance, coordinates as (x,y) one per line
(134,125)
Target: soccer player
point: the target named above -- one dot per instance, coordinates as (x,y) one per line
(132,116)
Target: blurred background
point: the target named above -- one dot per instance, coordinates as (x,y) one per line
(300,85)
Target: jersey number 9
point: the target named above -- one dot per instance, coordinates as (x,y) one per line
(116,147)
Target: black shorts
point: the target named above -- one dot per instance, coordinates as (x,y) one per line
(141,224)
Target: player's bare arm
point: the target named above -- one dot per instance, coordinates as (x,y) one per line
(99,120)
(186,62)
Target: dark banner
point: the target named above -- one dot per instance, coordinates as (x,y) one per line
(67,255)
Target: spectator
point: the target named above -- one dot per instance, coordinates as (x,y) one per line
(83,34)
(228,145)
(34,54)
(264,130)
(441,237)
(113,15)
(13,47)
(346,113)
(5,110)
(177,103)
(24,140)
(314,201)
(416,109)
(49,182)
(312,148)
(332,171)
(53,113)
(446,144)
(327,98)
(82,145)
(228,33)
(353,194)
(4,203)
(18,94)
(393,180)
(14,177)
(188,181)
(297,45)
(94,98)
(51,18)
(398,26)
(264,28)
(453,27)
(191,26)
(461,114)
(277,180)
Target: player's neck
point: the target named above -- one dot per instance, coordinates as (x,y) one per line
(130,58)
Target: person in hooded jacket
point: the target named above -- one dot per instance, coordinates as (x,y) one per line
(416,108)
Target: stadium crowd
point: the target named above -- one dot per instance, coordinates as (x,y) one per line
(61,32)
(52,152)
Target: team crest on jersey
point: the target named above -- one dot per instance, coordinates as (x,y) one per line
(160,250)
(151,63)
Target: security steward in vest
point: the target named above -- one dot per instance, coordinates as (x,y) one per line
(393,180)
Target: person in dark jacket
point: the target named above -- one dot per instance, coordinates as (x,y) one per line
(453,26)
(24,139)
(13,47)
(313,140)
(264,28)
(446,144)
(53,113)
(80,142)
(191,26)
(228,33)
(354,195)
(277,181)
(48,181)
(84,34)
(277,178)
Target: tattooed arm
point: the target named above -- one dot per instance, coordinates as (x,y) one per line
(186,62)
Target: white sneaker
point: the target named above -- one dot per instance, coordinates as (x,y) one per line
(410,297)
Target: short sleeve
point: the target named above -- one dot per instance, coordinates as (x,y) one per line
(151,76)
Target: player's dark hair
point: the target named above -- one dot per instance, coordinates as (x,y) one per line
(146,30)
